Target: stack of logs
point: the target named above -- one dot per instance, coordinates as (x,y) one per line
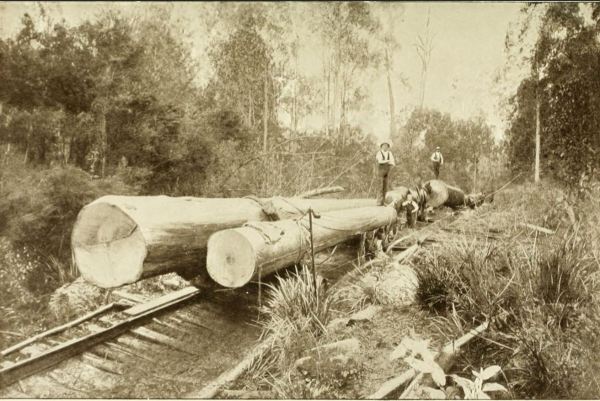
(119,240)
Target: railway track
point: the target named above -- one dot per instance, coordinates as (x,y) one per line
(168,346)
(163,346)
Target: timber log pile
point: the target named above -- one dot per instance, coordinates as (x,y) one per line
(118,240)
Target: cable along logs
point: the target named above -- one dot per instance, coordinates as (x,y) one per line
(119,240)
(238,255)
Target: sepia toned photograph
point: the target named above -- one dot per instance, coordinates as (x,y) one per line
(299,200)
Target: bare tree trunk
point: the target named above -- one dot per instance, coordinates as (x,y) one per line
(423,79)
(251,113)
(242,111)
(391,95)
(7,153)
(537,138)
(342,127)
(334,101)
(328,96)
(103,142)
(67,150)
(265,109)
(29,135)
(475,168)
(295,99)
(336,87)
(295,110)
(424,49)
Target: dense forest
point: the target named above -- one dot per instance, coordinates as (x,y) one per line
(113,106)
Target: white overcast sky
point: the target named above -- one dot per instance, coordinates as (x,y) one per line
(468,51)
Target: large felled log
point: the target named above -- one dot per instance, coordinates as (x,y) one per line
(441,194)
(237,255)
(118,240)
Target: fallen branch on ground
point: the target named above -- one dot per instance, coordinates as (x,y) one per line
(445,358)
(213,388)
(320,191)
(537,228)
(246,394)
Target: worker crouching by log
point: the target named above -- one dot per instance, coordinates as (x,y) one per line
(385,162)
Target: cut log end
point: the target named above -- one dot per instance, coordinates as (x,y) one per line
(230,259)
(108,247)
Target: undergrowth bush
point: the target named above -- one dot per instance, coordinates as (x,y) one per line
(539,290)
(291,166)
(294,319)
(294,308)
(21,310)
(38,209)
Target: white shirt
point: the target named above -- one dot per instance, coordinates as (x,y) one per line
(437,157)
(413,204)
(385,157)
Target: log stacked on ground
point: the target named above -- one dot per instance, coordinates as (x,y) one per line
(441,194)
(118,240)
(238,255)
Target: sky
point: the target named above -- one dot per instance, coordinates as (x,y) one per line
(468,50)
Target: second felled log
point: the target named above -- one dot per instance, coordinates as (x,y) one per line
(236,256)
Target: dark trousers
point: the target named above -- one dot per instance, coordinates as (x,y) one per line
(436,169)
(384,173)
(411,216)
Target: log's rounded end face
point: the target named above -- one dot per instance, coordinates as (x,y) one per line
(438,194)
(108,246)
(230,259)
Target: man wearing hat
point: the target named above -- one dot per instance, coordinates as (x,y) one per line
(437,160)
(385,162)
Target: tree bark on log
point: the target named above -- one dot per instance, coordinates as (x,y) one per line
(119,240)
(238,255)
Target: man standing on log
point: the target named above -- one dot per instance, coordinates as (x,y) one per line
(385,162)
(437,160)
